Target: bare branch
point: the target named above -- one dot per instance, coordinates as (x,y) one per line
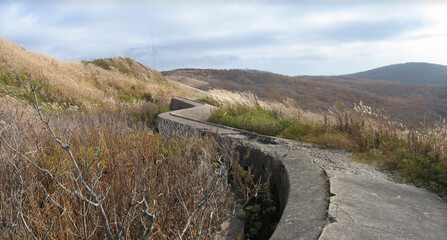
(25,225)
(48,231)
(129,208)
(201,221)
(35,165)
(152,219)
(200,204)
(97,202)
(98,151)
(63,209)
(14,222)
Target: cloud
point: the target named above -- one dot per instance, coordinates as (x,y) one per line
(166,58)
(292,37)
(367,31)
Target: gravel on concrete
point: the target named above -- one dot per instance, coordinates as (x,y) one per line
(367,204)
(363,203)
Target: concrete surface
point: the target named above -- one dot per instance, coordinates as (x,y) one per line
(367,204)
(364,203)
(301,185)
(372,208)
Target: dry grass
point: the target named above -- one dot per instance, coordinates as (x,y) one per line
(287,108)
(173,174)
(89,85)
(419,155)
(104,109)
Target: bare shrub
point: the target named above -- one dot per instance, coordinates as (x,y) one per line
(108,177)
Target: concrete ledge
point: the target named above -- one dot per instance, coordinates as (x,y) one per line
(299,184)
(183,103)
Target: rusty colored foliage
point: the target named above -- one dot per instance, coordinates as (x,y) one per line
(173,174)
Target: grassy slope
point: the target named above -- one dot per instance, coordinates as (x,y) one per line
(100,104)
(417,155)
(86,85)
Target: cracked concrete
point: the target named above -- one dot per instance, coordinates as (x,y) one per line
(301,185)
(364,203)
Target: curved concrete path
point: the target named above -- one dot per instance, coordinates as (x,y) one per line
(357,201)
(367,204)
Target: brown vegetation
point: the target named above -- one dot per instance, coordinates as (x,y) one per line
(83,163)
(412,104)
(122,161)
(87,85)
(418,155)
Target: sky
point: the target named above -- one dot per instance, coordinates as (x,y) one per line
(326,37)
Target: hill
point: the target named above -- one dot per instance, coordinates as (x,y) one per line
(79,149)
(410,103)
(412,72)
(87,85)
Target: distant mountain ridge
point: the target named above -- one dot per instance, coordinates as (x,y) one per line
(411,103)
(411,72)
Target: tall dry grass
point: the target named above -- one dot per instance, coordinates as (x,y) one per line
(419,155)
(287,108)
(121,159)
(90,86)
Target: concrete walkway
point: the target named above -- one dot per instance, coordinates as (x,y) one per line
(360,202)
(367,204)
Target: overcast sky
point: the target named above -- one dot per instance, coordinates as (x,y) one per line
(288,37)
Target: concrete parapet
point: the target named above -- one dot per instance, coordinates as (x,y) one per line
(299,185)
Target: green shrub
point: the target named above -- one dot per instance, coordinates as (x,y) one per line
(108,63)
(414,160)
(256,120)
(207,100)
(147,96)
(6,79)
(261,214)
(128,97)
(148,112)
(296,131)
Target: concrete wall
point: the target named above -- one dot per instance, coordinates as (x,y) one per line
(299,185)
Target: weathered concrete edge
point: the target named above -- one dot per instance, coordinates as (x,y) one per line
(301,185)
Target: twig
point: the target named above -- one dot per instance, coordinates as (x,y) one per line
(63,209)
(152,217)
(48,231)
(97,202)
(197,208)
(14,222)
(25,225)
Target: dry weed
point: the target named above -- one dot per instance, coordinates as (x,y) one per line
(121,159)
(90,85)
(418,154)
